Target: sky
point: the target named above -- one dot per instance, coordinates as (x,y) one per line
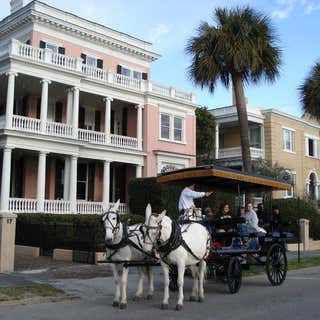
(168,25)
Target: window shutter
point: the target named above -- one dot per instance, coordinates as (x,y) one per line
(306,147)
(100,63)
(28,42)
(84,58)
(97,120)
(42,44)
(119,69)
(58,112)
(144,76)
(62,50)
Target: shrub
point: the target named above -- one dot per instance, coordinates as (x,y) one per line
(293,209)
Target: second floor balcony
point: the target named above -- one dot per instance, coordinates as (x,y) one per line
(75,64)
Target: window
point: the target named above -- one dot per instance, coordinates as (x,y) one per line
(288,140)
(172,127)
(312,147)
(255,137)
(165,126)
(291,177)
(177,129)
(52,47)
(137,75)
(126,72)
(91,61)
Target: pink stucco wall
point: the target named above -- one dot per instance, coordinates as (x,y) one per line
(152,142)
(109,62)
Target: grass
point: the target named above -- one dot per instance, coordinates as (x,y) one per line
(21,292)
(293,264)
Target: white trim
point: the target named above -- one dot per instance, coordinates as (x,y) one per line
(288,128)
(171,128)
(166,159)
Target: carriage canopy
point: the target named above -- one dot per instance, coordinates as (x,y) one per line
(223,179)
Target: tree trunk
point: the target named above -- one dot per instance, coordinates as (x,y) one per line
(243,121)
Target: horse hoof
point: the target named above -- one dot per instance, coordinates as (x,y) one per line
(201,299)
(137,298)
(164,306)
(193,298)
(123,306)
(115,304)
(149,296)
(178,307)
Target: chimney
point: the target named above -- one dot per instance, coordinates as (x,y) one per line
(18,4)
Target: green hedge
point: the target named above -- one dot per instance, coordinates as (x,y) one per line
(65,231)
(293,209)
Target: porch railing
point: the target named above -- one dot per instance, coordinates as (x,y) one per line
(123,141)
(56,206)
(84,207)
(91,136)
(235,152)
(123,207)
(25,123)
(126,82)
(94,72)
(18,205)
(59,129)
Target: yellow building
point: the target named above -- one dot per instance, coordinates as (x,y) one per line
(290,141)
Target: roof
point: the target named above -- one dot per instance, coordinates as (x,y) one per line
(223,179)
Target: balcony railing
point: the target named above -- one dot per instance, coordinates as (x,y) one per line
(58,129)
(21,205)
(25,123)
(235,152)
(123,141)
(91,136)
(49,57)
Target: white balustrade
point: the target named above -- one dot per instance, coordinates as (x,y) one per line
(95,73)
(235,152)
(127,82)
(183,95)
(64,61)
(27,51)
(20,205)
(123,141)
(160,89)
(87,207)
(91,136)
(25,123)
(58,129)
(56,206)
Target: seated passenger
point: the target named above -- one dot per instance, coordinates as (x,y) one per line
(263,217)
(251,220)
(225,211)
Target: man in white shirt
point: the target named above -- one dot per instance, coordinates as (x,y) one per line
(187,195)
(251,218)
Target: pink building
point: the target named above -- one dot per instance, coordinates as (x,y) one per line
(80,115)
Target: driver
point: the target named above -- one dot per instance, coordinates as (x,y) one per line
(187,195)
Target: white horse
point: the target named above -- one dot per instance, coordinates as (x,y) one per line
(126,244)
(186,248)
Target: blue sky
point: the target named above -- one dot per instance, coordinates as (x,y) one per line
(168,24)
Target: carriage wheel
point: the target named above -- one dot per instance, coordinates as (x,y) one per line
(234,275)
(276,264)
(173,276)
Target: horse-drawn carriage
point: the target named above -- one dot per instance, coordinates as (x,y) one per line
(232,250)
(224,254)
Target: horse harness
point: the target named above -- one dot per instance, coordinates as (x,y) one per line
(125,240)
(176,240)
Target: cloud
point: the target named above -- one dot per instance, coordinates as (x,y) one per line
(157,32)
(286,7)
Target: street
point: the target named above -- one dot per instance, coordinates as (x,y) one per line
(297,298)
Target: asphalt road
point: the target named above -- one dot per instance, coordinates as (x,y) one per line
(296,299)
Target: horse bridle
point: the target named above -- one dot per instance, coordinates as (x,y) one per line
(114,228)
(146,234)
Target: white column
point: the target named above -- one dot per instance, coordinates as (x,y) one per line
(106,184)
(10,98)
(5,180)
(107,118)
(139,125)
(75,112)
(66,179)
(41,181)
(44,104)
(262,140)
(69,106)
(217,141)
(73,184)
(138,171)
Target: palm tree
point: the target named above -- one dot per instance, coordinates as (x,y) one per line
(310,92)
(241,48)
